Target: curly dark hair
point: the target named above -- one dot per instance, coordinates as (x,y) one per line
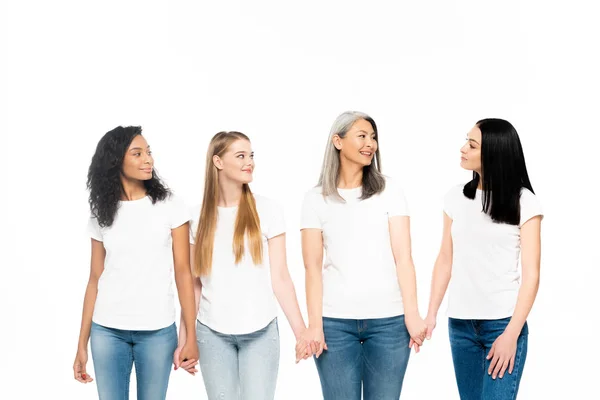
(104,175)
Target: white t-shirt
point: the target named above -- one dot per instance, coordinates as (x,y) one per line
(485,277)
(359,273)
(239,299)
(135,291)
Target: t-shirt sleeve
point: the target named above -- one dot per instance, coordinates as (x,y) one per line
(179,212)
(94,229)
(530,206)
(194,220)
(450,199)
(309,217)
(395,199)
(276,220)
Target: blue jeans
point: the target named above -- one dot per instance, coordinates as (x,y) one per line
(372,353)
(239,366)
(114,351)
(471,340)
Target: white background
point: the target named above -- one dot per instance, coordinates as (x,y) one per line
(281,72)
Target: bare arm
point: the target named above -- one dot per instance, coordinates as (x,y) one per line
(197,296)
(283,287)
(185,289)
(401,248)
(442,271)
(312,253)
(530,263)
(91,292)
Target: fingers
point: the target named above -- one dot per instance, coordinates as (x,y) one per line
(498,367)
(189,364)
(320,350)
(503,369)
(491,353)
(418,340)
(511,364)
(429,332)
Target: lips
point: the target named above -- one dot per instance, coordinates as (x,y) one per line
(366,153)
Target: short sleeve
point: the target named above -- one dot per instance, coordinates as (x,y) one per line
(276,220)
(94,229)
(395,199)
(194,220)
(179,212)
(530,206)
(451,198)
(309,217)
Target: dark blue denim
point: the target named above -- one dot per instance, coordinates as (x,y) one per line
(371,352)
(471,341)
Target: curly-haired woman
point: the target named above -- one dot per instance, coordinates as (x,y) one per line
(139,233)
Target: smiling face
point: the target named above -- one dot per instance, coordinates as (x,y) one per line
(471,151)
(138,162)
(359,144)
(237,163)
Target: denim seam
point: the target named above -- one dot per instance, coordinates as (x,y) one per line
(516,369)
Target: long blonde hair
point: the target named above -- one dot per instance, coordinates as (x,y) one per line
(247,223)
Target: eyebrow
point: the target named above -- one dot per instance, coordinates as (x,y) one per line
(473,140)
(372,133)
(243,151)
(138,148)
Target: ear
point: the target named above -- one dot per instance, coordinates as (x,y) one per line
(337,141)
(217,162)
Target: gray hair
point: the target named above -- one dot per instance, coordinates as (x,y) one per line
(373,181)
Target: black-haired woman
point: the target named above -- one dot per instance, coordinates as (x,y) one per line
(140,234)
(488,223)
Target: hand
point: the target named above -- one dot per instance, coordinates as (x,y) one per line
(430,322)
(416,329)
(305,346)
(79,367)
(313,338)
(502,355)
(186,357)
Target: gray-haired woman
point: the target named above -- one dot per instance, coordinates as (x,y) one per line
(362,301)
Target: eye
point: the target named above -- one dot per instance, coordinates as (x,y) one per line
(240,156)
(362,136)
(137,154)
(149,153)
(471,146)
(252,156)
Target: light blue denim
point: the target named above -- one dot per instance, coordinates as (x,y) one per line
(239,367)
(114,351)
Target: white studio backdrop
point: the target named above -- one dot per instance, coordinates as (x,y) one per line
(281,72)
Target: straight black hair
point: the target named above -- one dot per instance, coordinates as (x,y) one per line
(503,169)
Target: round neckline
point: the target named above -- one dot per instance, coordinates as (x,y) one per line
(133,201)
(356,188)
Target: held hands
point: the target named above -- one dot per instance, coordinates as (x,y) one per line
(79,367)
(417,329)
(186,357)
(311,341)
(502,355)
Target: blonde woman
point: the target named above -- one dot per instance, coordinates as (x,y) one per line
(239,257)
(362,302)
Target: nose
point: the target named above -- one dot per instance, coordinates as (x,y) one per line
(463,149)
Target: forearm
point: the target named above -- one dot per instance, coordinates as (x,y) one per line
(285,293)
(439,284)
(185,289)
(525,299)
(89,302)
(408,286)
(314,296)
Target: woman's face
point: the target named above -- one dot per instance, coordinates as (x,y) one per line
(359,145)
(237,164)
(138,162)
(470,153)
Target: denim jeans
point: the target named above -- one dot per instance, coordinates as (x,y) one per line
(471,341)
(114,351)
(367,354)
(239,366)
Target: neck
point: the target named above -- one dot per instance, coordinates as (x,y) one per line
(480,183)
(133,189)
(350,176)
(230,193)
